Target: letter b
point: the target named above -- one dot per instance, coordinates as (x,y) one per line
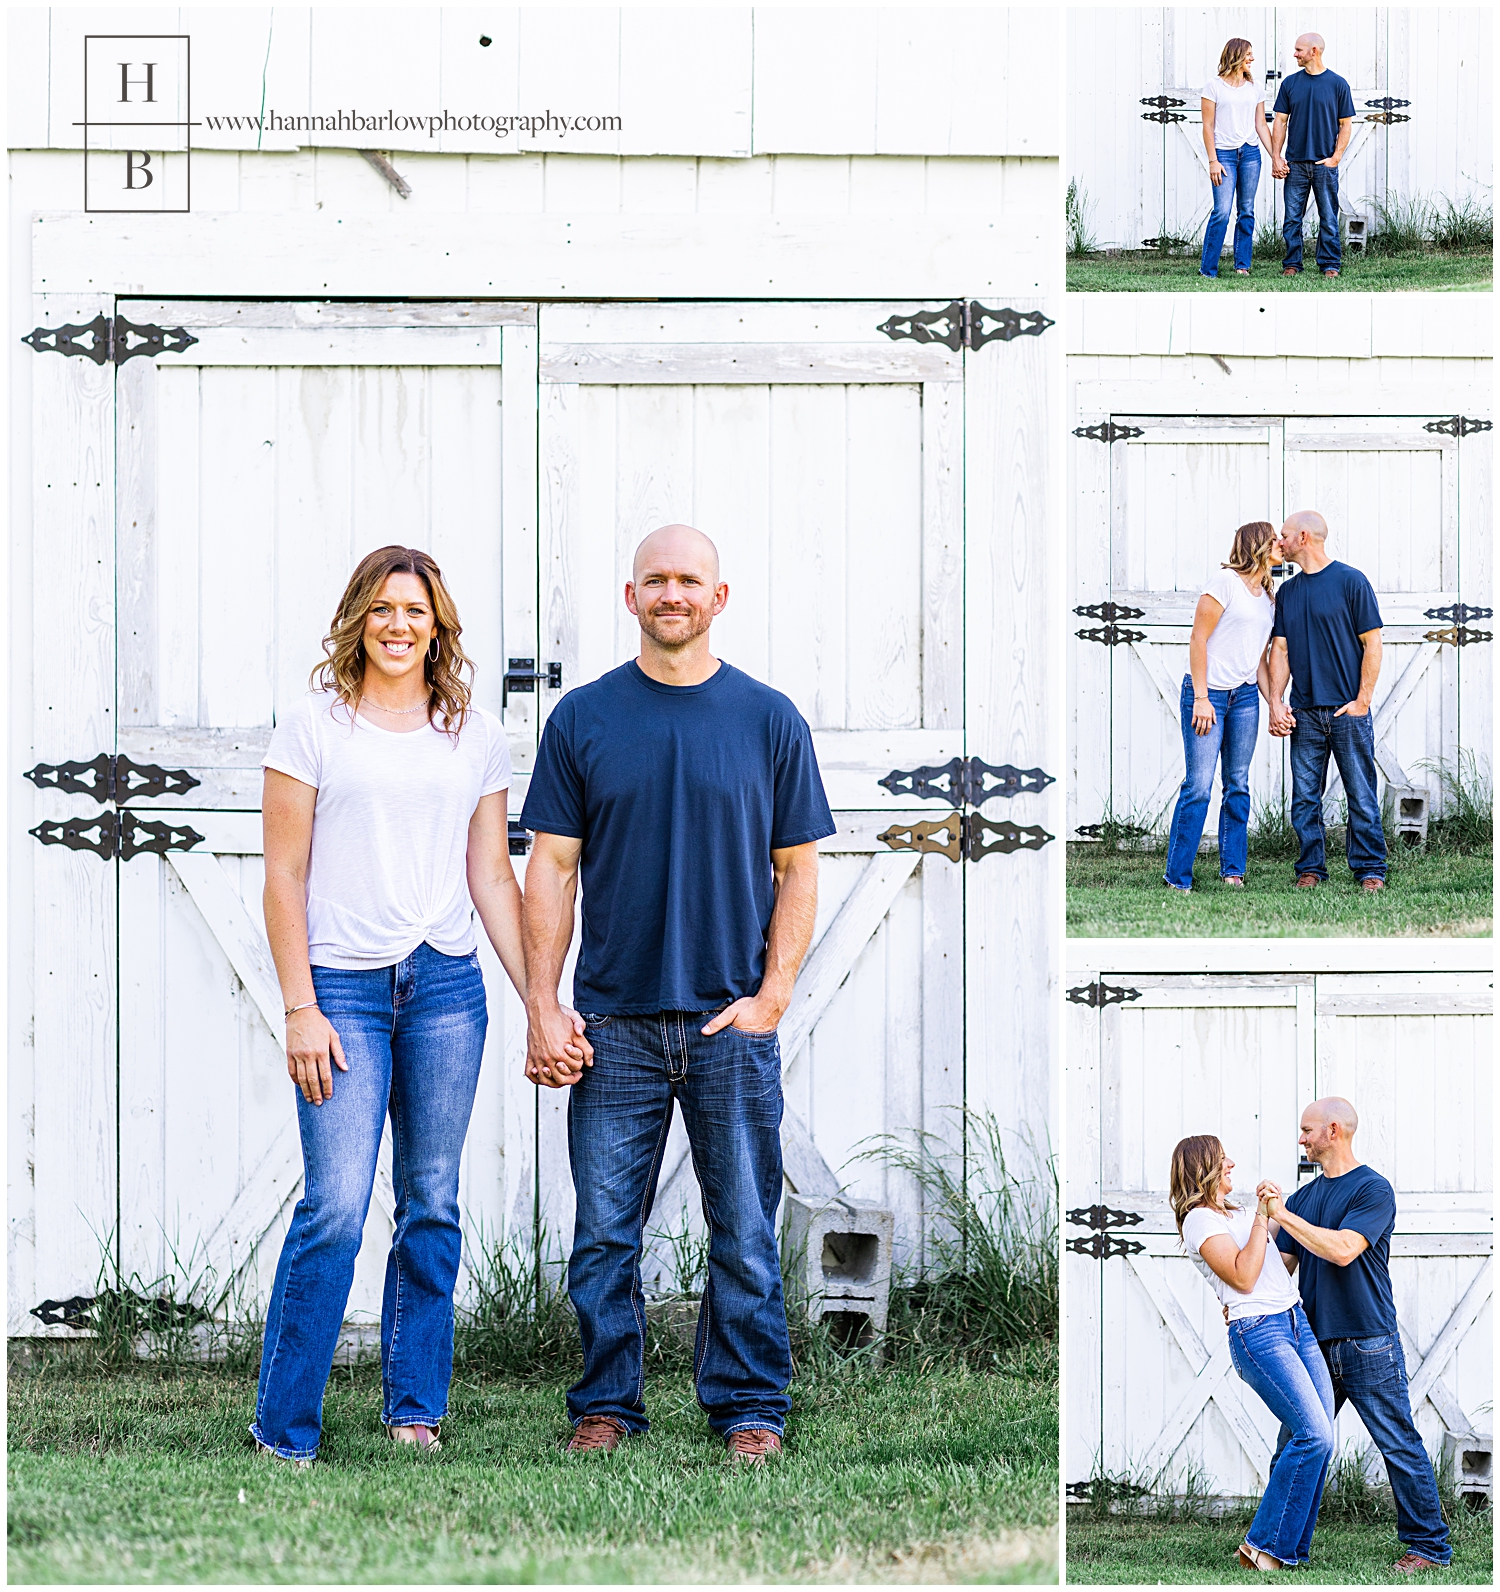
(131,169)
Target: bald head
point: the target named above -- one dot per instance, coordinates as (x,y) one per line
(1334,1108)
(1310,41)
(677,549)
(1307,522)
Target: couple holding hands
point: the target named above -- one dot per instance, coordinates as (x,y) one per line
(1313,119)
(1306,1353)
(686,797)
(1322,633)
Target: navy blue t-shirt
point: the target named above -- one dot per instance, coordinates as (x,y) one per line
(1322,617)
(678,793)
(1313,106)
(1352,1301)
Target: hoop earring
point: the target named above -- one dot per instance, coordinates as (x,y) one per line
(434,651)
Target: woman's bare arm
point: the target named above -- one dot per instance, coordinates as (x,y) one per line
(1240,1268)
(493,887)
(1215,167)
(1206,617)
(311,1044)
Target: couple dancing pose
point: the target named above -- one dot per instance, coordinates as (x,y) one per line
(1306,1354)
(1321,631)
(1314,118)
(688,797)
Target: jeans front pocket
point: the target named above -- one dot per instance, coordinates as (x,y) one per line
(594,1019)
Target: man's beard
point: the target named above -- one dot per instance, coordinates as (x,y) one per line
(676,637)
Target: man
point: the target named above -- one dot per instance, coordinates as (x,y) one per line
(1326,639)
(1314,120)
(1335,1232)
(689,796)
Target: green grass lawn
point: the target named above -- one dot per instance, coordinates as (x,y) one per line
(889,1475)
(1146,271)
(1120,894)
(1121,1549)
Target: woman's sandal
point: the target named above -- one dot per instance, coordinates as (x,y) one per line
(1234,880)
(426,1439)
(1253,1559)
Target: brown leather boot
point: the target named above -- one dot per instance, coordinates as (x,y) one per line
(755,1446)
(1413,1563)
(596,1434)
(1308,881)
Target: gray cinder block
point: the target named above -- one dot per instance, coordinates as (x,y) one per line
(838,1258)
(1409,804)
(1470,1457)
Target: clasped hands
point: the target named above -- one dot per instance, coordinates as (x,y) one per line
(1268,1198)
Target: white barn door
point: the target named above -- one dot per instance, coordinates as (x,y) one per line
(826,458)
(1160,498)
(257,463)
(1159,1057)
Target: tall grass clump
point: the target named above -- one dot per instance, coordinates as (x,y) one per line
(1271,832)
(517,1320)
(1462,224)
(1419,224)
(988,1291)
(1076,207)
(1468,801)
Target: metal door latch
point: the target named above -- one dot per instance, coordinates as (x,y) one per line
(522,677)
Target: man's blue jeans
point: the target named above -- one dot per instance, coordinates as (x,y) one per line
(1241,178)
(1278,1357)
(1323,181)
(729,1088)
(1370,1374)
(1231,742)
(1351,741)
(413,1035)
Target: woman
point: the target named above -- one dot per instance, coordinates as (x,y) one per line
(1234,133)
(1270,1343)
(1227,664)
(385,818)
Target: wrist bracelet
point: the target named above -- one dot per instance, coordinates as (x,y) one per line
(302,1008)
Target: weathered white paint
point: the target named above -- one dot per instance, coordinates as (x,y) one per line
(1150,1389)
(1141,177)
(718,81)
(1154,515)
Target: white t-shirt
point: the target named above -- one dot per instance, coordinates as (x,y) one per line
(1237,642)
(390,829)
(1235,110)
(1274,1289)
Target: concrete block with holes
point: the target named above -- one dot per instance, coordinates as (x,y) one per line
(1409,807)
(837,1255)
(1470,1458)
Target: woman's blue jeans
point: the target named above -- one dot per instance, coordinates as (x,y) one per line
(413,1036)
(1229,746)
(1235,193)
(729,1087)
(1279,1358)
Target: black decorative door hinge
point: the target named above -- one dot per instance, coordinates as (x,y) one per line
(1108,432)
(1109,612)
(1459,613)
(112,778)
(1166,109)
(1101,994)
(110,834)
(964,837)
(1386,104)
(964,781)
(963,325)
(522,677)
(112,340)
(519,837)
(1122,831)
(1104,1246)
(1386,118)
(135,1311)
(1459,636)
(1459,426)
(1100,1217)
(1111,635)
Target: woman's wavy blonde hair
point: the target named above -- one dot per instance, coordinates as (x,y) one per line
(343,670)
(1197,1168)
(1250,553)
(1232,61)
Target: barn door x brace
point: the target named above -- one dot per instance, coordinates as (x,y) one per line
(118,831)
(965,836)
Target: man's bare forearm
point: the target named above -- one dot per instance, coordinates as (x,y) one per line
(1369,668)
(791,927)
(546,929)
(1338,1245)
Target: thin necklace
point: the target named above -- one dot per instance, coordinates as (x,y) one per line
(384,709)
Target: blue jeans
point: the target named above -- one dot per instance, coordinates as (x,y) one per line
(1232,741)
(1370,1374)
(1278,1357)
(1241,178)
(413,1035)
(729,1088)
(1324,183)
(1320,732)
